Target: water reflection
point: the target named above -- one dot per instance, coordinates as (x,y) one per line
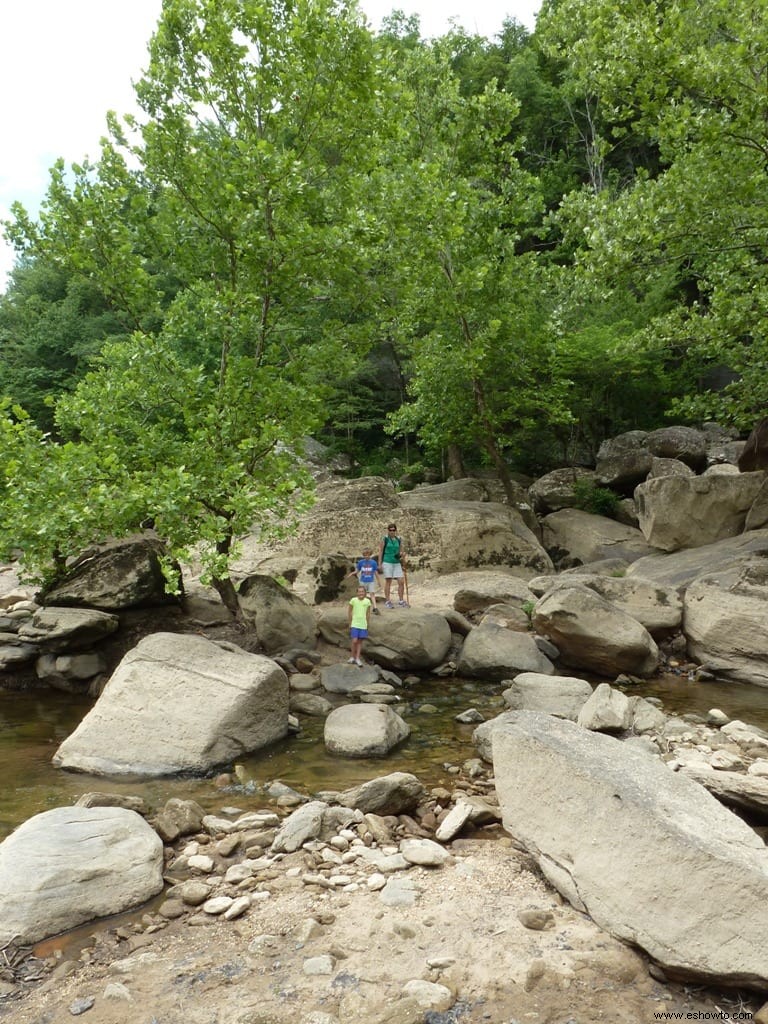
(32,725)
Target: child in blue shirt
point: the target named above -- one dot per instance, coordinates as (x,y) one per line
(367,569)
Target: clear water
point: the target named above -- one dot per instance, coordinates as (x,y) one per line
(33,724)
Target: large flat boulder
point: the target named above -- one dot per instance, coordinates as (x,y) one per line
(563,696)
(679,568)
(658,608)
(441,535)
(179,703)
(74,864)
(650,855)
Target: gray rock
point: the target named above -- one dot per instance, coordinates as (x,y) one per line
(279,617)
(607,710)
(396,793)
(364,730)
(148,722)
(647,853)
(563,696)
(492,652)
(74,864)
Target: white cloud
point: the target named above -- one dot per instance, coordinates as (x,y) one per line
(63,65)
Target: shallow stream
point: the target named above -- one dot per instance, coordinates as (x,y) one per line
(33,724)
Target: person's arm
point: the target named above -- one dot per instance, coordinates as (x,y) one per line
(368,615)
(381,552)
(402,552)
(349,614)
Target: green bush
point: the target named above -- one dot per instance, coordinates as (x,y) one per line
(600,501)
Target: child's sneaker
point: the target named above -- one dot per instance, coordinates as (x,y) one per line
(402,604)
(388,604)
(359,663)
(350,661)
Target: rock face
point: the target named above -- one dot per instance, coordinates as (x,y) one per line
(74,864)
(114,576)
(149,719)
(555,490)
(754,454)
(52,630)
(725,615)
(686,512)
(441,535)
(647,853)
(680,568)
(364,730)
(280,618)
(591,633)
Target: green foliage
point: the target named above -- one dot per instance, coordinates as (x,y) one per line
(527,607)
(600,501)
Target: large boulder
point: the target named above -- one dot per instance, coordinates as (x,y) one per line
(400,638)
(364,730)
(116,575)
(724,621)
(678,569)
(556,490)
(279,618)
(179,703)
(687,512)
(74,864)
(594,634)
(495,653)
(658,608)
(440,535)
(647,853)
(573,537)
(683,444)
(754,454)
(624,461)
(562,696)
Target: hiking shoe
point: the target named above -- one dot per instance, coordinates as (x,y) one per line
(351,661)
(402,604)
(388,604)
(359,663)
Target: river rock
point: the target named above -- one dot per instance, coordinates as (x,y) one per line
(53,630)
(647,853)
(148,722)
(563,696)
(396,793)
(607,710)
(400,638)
(592,633)
(74,864)
(364,730)
(493,652)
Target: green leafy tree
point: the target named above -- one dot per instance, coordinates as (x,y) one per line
(238,248)
(469,310)
(689,78)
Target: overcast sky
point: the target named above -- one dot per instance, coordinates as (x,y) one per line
(65,63)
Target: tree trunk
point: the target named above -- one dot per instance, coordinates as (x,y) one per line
(456,468)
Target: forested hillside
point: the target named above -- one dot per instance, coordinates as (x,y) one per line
(428,254)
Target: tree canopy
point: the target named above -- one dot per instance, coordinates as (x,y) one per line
(502,249)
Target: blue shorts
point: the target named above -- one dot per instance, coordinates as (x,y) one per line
(358,634)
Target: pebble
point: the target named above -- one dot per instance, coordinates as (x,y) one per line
(81,1006)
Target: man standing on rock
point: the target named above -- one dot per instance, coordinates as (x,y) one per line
(391,563)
